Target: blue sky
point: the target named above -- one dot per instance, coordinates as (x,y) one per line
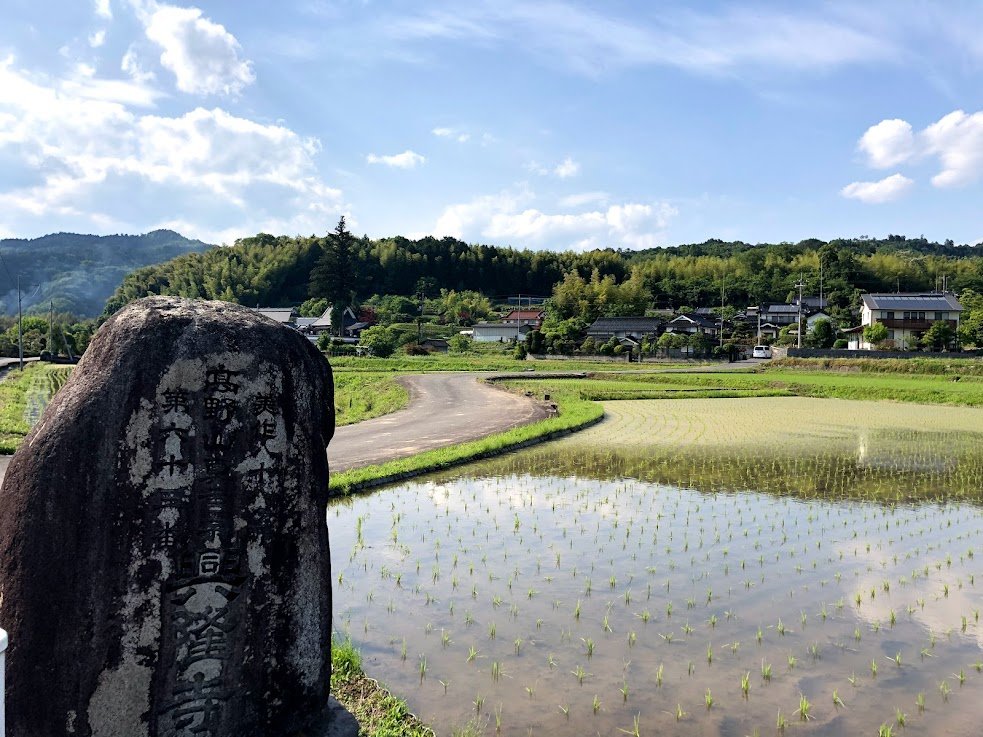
(543,125)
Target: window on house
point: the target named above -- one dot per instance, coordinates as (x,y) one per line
(890,315)
(942,315)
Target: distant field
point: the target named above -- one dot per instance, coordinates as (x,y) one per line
(23,396)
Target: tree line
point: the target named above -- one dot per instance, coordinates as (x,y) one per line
(343,269)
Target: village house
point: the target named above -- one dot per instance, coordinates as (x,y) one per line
(908,315)
(498,332)
(635,328)
(692,322)
(283,315)
(532,318)
(323,323)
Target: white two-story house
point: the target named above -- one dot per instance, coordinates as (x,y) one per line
(907,316)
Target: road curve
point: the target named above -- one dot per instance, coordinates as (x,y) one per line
(444,409)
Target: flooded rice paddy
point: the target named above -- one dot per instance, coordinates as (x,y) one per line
(709,567)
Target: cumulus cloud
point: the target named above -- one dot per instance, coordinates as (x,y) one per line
(202,55)
(506,218)
(887,189)
(90,159)
(956,139)
(566,168)
(889,143)
(102,9)
(97,39)
(406,160)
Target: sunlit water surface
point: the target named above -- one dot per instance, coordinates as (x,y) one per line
(615,579)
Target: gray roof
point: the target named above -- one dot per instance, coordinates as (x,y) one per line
(280,314)
(925,301)
(701,320)
(781,309)
(626,324)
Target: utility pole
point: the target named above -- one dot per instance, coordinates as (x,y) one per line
(801,286)
(419,319)
(51,321)
(723,277)
(759,324)
(821,305)
(20,329)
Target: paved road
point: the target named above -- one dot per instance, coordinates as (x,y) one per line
(444,409)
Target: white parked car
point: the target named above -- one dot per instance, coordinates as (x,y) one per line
(761,351)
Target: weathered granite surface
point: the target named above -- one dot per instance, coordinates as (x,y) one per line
(164,564)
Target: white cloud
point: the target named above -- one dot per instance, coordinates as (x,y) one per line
(584,198)
(406,160)
(505,218)
(456,133)
(92,159)
(887,189)
(957,139)
(97,39)
(131,65)
(889,143)
(102,8)
(564,170)
(202,55)
(567,168)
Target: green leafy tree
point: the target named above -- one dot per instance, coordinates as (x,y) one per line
(970,331)
(822,335)
(460,343)
(313,307)
(939,336)
(875,333)
(379,340)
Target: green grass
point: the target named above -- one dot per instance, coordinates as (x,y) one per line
(379,713)
(951,364)
(920,388)
(21,391)
(574,413)
(360,396)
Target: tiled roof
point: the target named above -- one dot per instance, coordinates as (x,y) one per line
(931,301)
(620,324)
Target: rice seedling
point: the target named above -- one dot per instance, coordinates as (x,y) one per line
(804,707)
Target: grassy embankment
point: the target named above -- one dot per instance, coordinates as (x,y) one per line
(574,413)
(361,396)
(378,712)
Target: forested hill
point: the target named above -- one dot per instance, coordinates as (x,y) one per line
(275,271)
(78,273)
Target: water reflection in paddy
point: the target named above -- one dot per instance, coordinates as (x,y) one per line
(574,587)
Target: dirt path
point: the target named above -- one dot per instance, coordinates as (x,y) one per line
(445,409)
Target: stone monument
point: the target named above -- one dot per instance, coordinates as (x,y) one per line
(164,563)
